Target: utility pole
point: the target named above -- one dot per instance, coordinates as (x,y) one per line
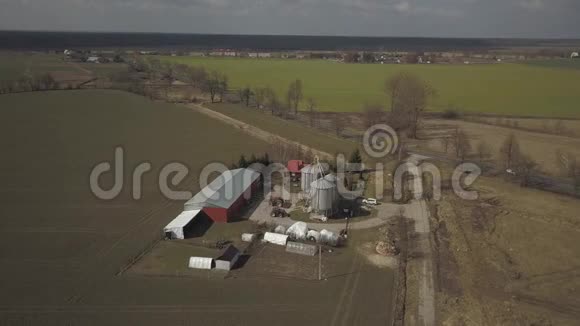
(319,262)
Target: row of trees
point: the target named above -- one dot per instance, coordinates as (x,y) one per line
(510,155)
(29,83)
(164,74)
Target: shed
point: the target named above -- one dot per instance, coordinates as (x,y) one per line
(176,229)
(275,238)
(200,262)
(294,166)
(226,195)
(228,258)
(301,248)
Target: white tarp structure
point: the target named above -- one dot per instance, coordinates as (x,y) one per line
(313,235)
(248,237)
(298,231)
(275,238)
(175,228)
(280,229)
(328,237)
(200,262)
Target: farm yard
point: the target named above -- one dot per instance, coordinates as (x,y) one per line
(64,250)
(506,89)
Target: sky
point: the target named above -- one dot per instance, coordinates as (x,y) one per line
(407,18)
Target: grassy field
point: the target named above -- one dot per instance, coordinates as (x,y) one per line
(561,63)
(509,258)
(14,65)
(512,89)
(292,130)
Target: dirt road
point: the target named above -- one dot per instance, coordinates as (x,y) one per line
(419,212)
(254,131)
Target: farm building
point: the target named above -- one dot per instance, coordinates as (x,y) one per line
(294,167)
(228,258)
(93,60)
(177,228)
(275,238)
(224,197)
(301,248)
(200,263)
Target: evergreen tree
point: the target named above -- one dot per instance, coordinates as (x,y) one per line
(355,157)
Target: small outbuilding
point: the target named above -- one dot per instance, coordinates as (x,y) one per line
(275,238)
(228,258)
(177,228)
(294,167)
(301,248)
(200,263)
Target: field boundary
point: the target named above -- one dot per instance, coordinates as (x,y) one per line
(253,130)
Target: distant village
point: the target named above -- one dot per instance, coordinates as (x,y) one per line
(374,57)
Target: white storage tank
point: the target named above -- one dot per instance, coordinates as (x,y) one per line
(310,173)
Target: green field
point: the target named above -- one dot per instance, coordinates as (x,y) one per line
(512,89)
(293,130)
(14,65)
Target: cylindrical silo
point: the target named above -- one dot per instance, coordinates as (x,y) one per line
(323,196)
(330,177)
(307,175)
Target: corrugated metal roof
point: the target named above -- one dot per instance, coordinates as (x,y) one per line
(223,190)
(322,184)
(183,219)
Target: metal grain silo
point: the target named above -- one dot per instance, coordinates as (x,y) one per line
(308,174)
(323,196)
(330,177)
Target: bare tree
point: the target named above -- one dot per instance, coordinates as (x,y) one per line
(446,142)
(409,96)
(373,114)
(215,85)
(461,144)
(245,95)
(262,96)
(509,151)
(483,150)
(294,95)
(338,123)
(311,104)
(524,167)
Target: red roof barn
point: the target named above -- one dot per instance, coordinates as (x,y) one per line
(225,196)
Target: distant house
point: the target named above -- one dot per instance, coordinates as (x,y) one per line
(230,53)
(93,60)
(574,55)
(252,55)
(264,55)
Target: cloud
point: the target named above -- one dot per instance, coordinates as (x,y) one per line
(454,18)
(532,4)
(404,6)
